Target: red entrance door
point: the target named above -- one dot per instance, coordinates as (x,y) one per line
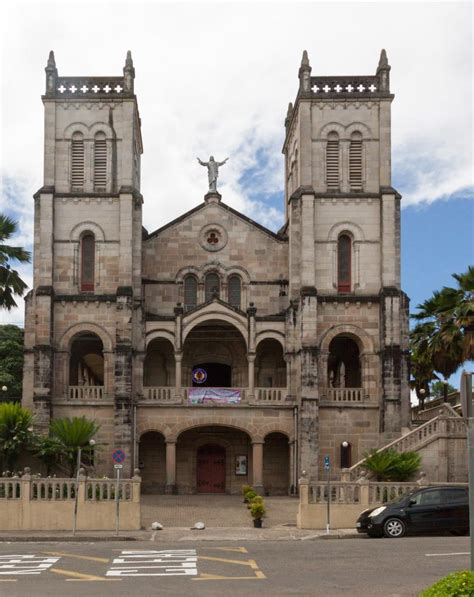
(211,469)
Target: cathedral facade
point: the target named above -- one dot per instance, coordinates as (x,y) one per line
(213,351)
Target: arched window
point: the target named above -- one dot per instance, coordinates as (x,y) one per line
(346,455)
(234,290)
(77,162)
(332,161)
(212,286)
(100,162)
(87,262)
(190,292)
(344,265)
(355,161)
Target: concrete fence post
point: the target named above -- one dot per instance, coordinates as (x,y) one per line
(25,498)
(364,492)
(304,491)
(136,485)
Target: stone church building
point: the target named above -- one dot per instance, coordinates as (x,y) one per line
(214,351)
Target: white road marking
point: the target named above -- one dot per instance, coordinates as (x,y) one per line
(454,553)
(152,562)
(25,564)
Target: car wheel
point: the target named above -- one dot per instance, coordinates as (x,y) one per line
(394,527)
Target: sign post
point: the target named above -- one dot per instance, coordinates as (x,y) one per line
(466,404)
(118,457)
(327,468)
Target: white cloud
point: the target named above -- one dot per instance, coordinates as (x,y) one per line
(217,78)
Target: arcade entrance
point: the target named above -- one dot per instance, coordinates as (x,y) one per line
(210,469)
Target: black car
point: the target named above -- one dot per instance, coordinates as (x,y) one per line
(432,509)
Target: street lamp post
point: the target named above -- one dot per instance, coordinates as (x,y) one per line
(76,492)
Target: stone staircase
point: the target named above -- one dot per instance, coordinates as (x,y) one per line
(442,422)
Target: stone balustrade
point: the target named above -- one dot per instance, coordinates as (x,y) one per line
(347,500)
(36,503)
(270,395)
(159,394)
(86,392)
(345,395)
(169,395)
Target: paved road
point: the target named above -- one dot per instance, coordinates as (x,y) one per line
(339,567)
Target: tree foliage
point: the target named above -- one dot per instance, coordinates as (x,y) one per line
(11,362)
(10,282)
(443,338)
(390,465)
(73,434)
(15,431)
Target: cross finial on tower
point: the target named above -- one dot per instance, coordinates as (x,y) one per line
(383,72)
(129,72)
(304,73)
(51,73)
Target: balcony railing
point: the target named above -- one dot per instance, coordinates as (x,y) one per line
(169,395)
(86,392)
(353,395)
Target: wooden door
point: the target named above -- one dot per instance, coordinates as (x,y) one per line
(211,469)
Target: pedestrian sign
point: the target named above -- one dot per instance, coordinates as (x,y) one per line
(327,464)
(118,456)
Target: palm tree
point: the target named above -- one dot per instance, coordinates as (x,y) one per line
(10,281)
(73,434)
(445,335)
(15,431)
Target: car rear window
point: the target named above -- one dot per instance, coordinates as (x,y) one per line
(454,495)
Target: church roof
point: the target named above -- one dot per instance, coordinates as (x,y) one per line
(277,236)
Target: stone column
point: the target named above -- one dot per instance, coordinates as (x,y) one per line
(257,466)
(251,312)
(251,382)
(170,467)
(178,358)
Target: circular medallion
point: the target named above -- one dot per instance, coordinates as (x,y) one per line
(213,237)
(199,375)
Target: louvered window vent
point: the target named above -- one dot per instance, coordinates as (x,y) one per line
(100,165)
(77,164)
(355,163)
(332,164)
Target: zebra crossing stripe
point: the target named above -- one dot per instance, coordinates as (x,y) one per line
(167,562)
(25,564)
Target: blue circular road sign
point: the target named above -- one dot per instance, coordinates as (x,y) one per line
(118,456)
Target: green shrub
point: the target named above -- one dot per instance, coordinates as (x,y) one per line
(245,488)
(250,495)
(457,584)
(391,465)
(257,508)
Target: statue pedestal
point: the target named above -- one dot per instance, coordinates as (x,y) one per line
(212,197)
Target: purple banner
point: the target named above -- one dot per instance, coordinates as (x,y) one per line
(213,396)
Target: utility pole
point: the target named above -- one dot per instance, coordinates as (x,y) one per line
(466,405)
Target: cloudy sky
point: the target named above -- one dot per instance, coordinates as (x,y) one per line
(217,78)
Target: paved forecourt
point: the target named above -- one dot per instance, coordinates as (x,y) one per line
(340,567)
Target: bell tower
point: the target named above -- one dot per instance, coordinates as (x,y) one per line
(87,246)
(344,258)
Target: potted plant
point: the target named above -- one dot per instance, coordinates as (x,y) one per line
(249,496)
(245,489)
(257,511)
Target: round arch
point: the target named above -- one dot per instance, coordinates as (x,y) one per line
(360,336)
(205,315)
(270,335)
(87,226)
(160,335)
(348,227)
(68,336)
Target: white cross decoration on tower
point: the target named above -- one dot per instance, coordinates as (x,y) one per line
(96,88)
(61,89)
(372,88)
(349,88)
(361,88)
(338,88)
(118,89)
(315,88)
(84,88)
(107,88)
(326,88)
(73,89)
